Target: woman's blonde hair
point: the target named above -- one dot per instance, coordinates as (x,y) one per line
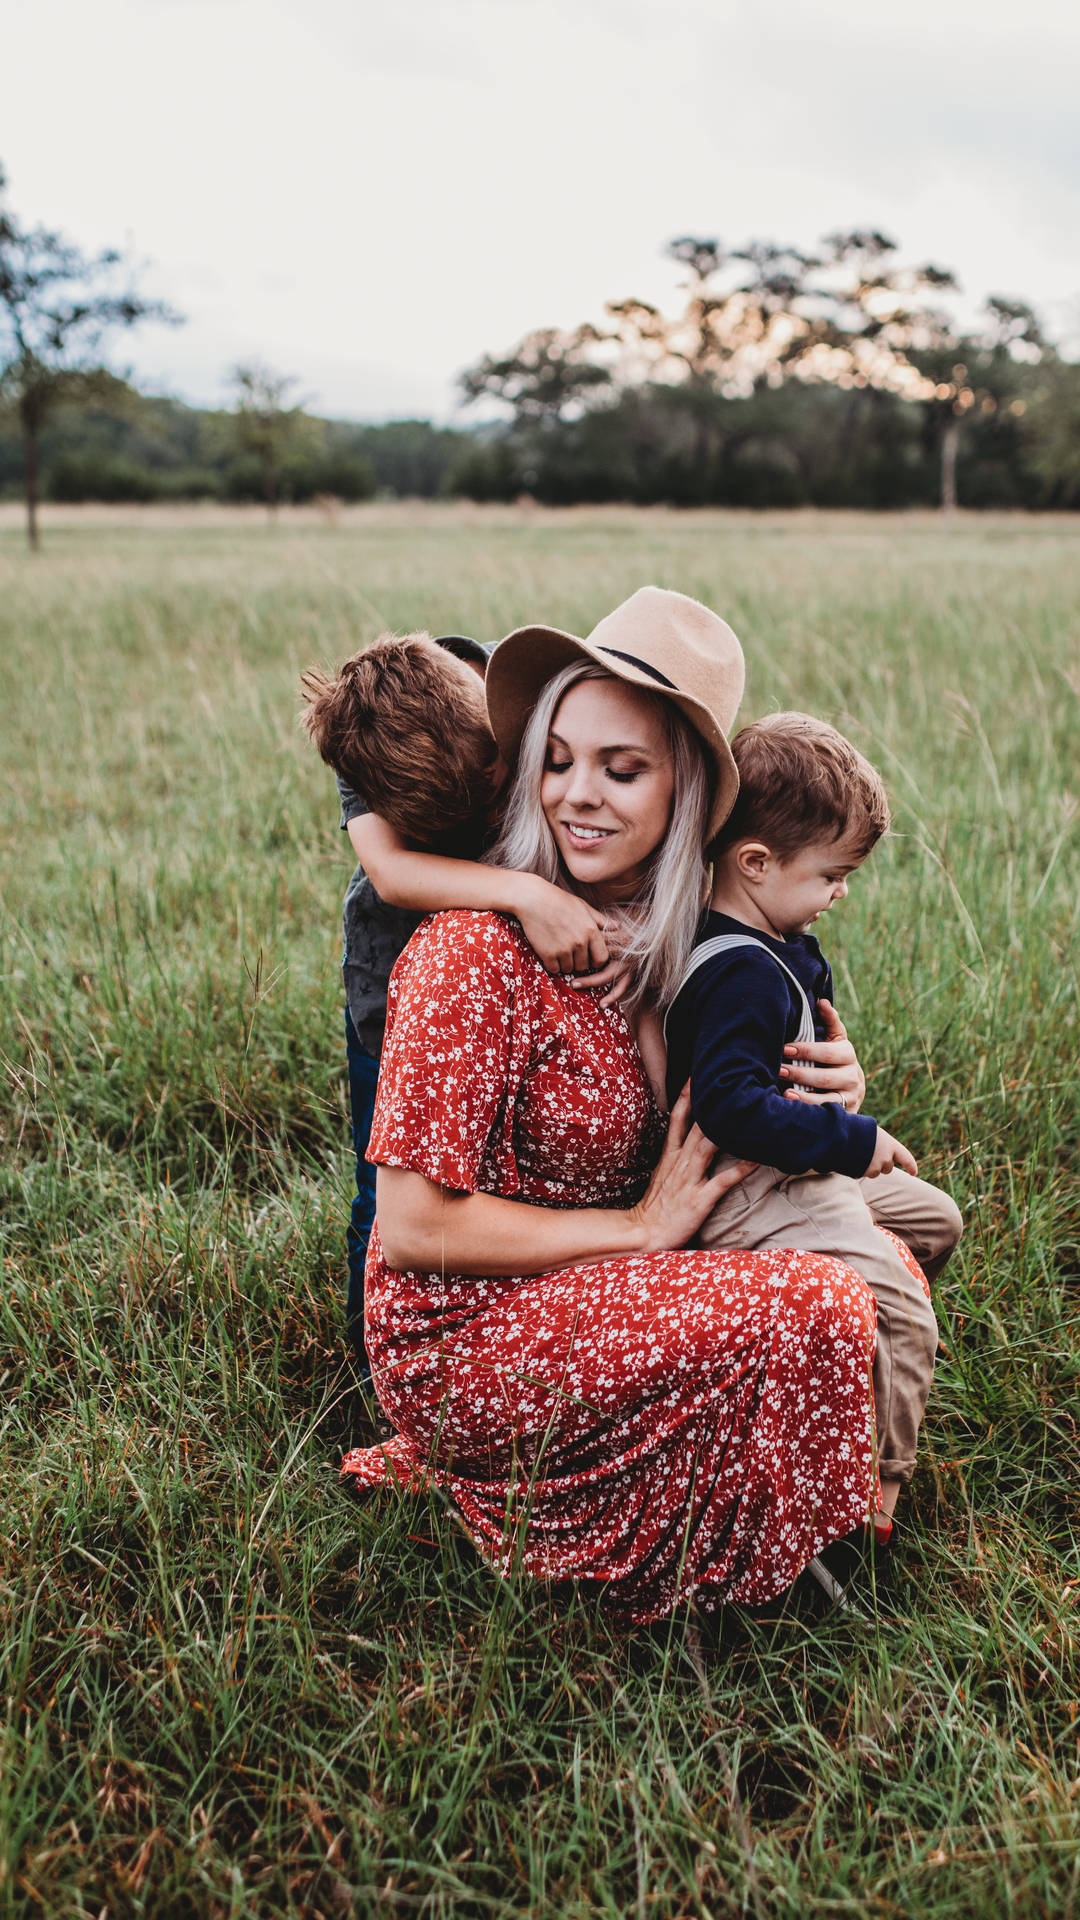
(658,930)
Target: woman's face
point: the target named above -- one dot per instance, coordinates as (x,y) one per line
(608,784)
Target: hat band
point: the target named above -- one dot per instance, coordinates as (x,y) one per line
(641,665)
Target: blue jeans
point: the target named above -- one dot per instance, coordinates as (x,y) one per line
(363,1079)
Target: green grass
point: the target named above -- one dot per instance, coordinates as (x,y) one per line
(228,1688)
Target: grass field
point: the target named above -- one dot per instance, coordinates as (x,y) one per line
(228,1689)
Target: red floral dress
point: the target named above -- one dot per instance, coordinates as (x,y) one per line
(669,1424)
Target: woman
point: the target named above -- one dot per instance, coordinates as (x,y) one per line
(618,1409)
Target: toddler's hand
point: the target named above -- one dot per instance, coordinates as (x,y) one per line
(565,933)
(889,1153)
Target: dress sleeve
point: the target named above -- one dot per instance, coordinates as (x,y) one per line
(457,1041)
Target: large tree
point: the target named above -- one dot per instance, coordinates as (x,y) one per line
(850,315)
(976,372)
(548,380)
(744,314)
(741,322)
(57,304)
(882,325)
(707,394)
(264,427)
(545,378)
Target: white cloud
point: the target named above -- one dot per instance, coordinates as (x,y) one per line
(371,198)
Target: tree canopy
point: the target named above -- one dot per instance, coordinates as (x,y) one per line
(57,305)
(835,376)
(762,319)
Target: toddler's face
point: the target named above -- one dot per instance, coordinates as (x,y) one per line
(794,892)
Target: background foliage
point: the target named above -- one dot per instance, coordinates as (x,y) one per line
(799,446)
(834,378)
(228,1689)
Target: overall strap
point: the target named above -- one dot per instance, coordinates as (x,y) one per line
(726,943)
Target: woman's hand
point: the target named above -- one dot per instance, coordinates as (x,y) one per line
(681,1192)
(565,933)
(823,1070)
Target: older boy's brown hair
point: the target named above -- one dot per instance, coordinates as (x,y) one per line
(801,782)
(405,725)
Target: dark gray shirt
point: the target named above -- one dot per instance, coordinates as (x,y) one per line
(375,934)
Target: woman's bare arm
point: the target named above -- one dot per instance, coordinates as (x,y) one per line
(429,1229)
(426,1228)
(648,1030)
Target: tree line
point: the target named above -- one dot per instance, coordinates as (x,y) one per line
(836,377)
(141,448)
(832,377)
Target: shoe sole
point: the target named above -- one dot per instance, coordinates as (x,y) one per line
(831,1586)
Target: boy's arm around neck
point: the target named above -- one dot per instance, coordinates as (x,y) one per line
(566,934)
(422,882)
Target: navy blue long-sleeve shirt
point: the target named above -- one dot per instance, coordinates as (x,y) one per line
(726,1034)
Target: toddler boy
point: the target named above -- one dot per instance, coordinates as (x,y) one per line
(809,810)
(404,726)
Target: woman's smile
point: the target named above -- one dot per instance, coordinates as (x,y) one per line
(586,835)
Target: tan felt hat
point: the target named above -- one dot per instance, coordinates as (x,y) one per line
(661,641)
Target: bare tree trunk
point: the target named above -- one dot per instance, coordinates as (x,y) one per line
(30,469)
(270,488)
(949,440)
(702,450)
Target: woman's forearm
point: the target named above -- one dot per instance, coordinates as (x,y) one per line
(428,1229)
(425,1228)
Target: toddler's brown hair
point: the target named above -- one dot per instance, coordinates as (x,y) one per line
(405,725)
(801,782)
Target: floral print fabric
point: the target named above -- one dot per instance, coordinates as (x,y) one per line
(669,1424)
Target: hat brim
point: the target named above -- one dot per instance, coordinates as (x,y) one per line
(521,666)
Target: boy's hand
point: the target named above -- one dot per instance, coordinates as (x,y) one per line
(614,977)
(889,1153)
(823,1070)
(565,933)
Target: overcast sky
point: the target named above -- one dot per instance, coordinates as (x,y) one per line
(369,197)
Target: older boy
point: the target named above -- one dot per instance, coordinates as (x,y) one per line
(404,726)
(809,810)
